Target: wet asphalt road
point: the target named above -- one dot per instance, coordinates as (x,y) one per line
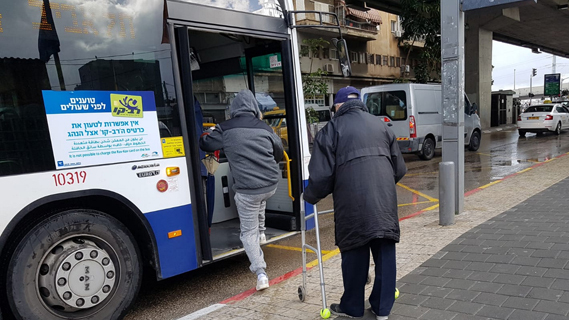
(500,154)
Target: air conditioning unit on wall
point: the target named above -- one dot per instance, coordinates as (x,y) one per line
(397,33)
(328,67)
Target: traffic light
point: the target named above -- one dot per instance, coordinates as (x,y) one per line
(533,72)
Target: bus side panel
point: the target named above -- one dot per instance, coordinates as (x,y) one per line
(175,238)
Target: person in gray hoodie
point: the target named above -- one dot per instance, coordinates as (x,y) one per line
(254,152)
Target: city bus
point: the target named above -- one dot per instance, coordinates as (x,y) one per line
(101,106)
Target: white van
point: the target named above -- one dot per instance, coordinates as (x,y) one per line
(414,113)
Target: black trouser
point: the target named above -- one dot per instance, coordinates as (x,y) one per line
(355,268)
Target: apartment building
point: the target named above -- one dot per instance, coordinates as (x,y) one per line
(372,36)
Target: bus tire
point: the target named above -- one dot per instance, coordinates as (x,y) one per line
(76,264)
(428,149)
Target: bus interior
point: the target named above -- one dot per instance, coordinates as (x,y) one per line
(222,65)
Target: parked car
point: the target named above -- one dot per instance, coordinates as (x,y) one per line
(414,113)
(543,118)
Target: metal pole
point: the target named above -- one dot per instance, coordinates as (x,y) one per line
(554,64)
(452,53)
(514,79)
(446,194)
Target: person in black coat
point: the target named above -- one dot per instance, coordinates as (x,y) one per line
(357,159)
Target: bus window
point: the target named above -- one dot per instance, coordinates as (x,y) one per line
(106,56)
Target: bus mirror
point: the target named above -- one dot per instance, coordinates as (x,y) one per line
(343,58)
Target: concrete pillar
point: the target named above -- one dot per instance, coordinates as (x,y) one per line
(478,71)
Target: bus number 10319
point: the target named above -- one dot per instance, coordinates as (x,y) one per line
(68,178)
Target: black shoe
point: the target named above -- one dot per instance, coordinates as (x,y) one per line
(335,309)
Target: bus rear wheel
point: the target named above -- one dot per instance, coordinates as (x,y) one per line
(76,264)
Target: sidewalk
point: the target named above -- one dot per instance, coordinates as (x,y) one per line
(503,259)
(503,127)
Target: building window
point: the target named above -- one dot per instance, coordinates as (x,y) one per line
(325,53)
(304,51)
(398,62)
(353,56)
(370,59)
(317,99)
(322,7)
(385,60)
(316,53)
(392,61)
(333,54)
(378,59)
(362,57)
(393,25)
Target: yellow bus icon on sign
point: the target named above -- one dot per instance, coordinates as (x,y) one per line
(126,105)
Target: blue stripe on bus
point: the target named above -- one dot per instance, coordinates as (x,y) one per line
(177,255)
(309,209)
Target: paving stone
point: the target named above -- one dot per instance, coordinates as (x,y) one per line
(495,312)
(520,303)
(460,265)
(438,315)
(509,279)
(462,295)
(531,271)
(480,266)
(490,299)
(486,287)
(526,261)
(482,276)
(526,315)
(435,281)
(460,284)
(514,290)
(436,292)
(437,303)
(465,307)
(537,282)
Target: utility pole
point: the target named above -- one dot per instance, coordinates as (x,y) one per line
(452,55)
(553,64)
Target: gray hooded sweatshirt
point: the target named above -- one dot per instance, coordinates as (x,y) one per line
(251,146)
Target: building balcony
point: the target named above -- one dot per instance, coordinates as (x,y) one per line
(352,23)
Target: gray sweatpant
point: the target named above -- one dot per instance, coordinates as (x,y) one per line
(251,209)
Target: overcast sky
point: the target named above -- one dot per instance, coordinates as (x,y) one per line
(506,58)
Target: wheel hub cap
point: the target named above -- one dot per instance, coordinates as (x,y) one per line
(76,275)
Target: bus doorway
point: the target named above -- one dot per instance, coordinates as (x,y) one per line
(222,64)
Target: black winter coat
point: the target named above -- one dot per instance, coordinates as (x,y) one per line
(356,157)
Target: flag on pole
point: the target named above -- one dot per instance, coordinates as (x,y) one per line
(48,41)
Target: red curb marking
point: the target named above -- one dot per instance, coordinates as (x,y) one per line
(298,271)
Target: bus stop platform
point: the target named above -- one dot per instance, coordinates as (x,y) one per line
(506,257)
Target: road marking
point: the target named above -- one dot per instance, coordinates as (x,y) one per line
(420,174)
(484,154)
(277,246)
(490,184)
(419,212)
(414,203)
(202,312)
(417,192)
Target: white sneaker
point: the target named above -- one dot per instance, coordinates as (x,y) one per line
(262,282)
(262,238)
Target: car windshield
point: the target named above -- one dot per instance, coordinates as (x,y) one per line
(273,121)
(539,109)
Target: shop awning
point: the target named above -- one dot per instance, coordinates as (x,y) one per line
(372,15)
